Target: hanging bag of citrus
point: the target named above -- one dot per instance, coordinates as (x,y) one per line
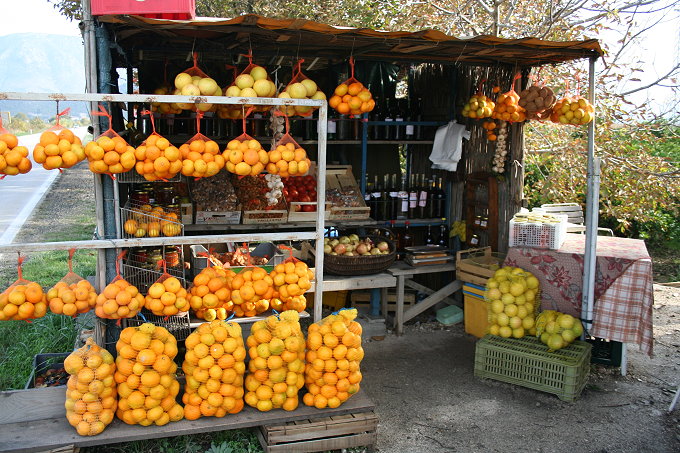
(91,389)
(119,299)
(165,108)
(351,97)
(557,330)
(109,154)
(194,82)
(513,299)
(23,299)
(58,147)
(507,106)
(166,296)
(479,106)
(145,374)
(334,354)
(211,292)
(252,82)
(251,289)
(301,87)
(214,366)
(292,279)
(244,155)
(72,294)
(13,158)
(574,110)
(287,157)
(201,156)
(276,347)
(157,159)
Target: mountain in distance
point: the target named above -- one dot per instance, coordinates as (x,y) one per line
(42,63)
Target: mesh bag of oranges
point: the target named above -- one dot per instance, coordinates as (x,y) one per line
(58,147)
(72,294)
(211,293)
(252,82)
(13,158)
(166,296)
(110,153)
(201,157)
(301,87)
(292,279)
(214,366)
(287,157)
(244,155)
(119,299)
(351,97)
(251,290)
(91,389)
(276,347)
(194,82)
(557,330)
(334,354)
(574,110)
(507,106)
(145,374)
(23,299)
(478,106)
(513,299)
(156,158)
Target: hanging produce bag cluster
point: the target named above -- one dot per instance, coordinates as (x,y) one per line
(119,299)
(513,299)
(13,158)
(252,82)
(507,106)
(157,159)
(73,294)
(91,390)
(251,290)
(165,108)
(334,354)
(557,330)
(201,155)
(478,106)
(214,366)
(195,82)
(109,154)
(277,362)
(351,97)
(292,279)
(573,110)
(58,147)
(538,101)
(166,296)
(211,293)
(244,155)
(301,87)
(23,299)
(287,157)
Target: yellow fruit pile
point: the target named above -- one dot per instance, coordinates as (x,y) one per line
(211,293)
(478,106)
(69,300)
(145,374)
(557,330)
(251,290)
(511,296)
(576,111)
(245,157)
(201,158)
(214,366)
(58,151)
(508,109)
(334,354)
(157,159)
(291,280)
(306,88)
(119,300)
(276,347)
(164,107)
(110,155)
(91,390)
(352,99)
(152,221)
(288,160)
(187,84)
(167,298)
(22,301)
(13,158)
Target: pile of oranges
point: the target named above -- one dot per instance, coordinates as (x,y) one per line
(251,290)
(13,158)
(110,155)
(62,150)
(334,353)
(145,374)
(157,158)
(508,109)
(291,280)
(276,347)
(69,300)
(211,293)
(352,99)
(214,367)
(288,160)
(119,300)
(152,221)
(23,301)
(167,298)
(91,390)
(201,158)
(245,157)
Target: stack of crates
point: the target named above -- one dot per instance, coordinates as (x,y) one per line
(475,311)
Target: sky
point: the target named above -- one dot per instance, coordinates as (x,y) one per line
(35,16)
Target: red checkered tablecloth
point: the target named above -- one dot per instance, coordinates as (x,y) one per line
(623,285)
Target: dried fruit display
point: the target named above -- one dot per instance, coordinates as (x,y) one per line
(537,101)
(251,192)
(215,193)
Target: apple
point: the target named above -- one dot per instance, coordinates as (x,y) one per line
(327,249)
(309,208)
(334,242)
(349,254)
(362,249)
(383,246)
(375,251)
(344,240)
(353,237)
(340,249)
(333,253)
(349,247)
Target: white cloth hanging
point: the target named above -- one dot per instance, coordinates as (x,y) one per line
(448,146)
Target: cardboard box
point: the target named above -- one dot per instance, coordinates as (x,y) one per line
(218,217)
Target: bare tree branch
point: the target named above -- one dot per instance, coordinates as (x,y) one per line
(644,87)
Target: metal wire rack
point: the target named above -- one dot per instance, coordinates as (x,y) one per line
(131,177)
(142,273)
(148,223)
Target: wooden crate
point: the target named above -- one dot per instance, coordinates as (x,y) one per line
(266,217)
(363,299)
(340,177)
(328,433)
(477,265)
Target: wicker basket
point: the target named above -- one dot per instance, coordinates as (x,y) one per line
(360,265)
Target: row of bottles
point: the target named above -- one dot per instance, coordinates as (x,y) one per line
(416,199)
(398,112)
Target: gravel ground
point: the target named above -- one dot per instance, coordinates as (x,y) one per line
(427,398)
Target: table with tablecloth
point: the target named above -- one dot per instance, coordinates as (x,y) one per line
(624,293)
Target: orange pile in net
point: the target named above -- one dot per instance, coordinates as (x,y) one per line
(201,158)
(167,298)
(211,293)
(251,290)
(245,157)
(157,158)
(119,300)
(69,300)
(13,158)
(110,155)
(23,301)
(62,150)
(291,281)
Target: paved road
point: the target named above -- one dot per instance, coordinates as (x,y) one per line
(20,194)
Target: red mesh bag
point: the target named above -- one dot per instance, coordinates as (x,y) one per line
(301,87)
(201,156)
(478,106)
(55,153)
(167,296)
(194,82)
(251,288)
(13,158)
(212,301)
(574,110)
(23,299)
(537,99)
(507,105)
(244,155)
(287,157)
(157,159)
(110,153)
(292,279)
(252,82)
(72,294)
(119,299)
(165,108)
(351,97)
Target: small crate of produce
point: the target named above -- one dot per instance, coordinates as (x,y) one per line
(477,265)
(48,370)
(261,198)
(343,194)
(476,313)
(527,362)
(216,201)
(264,254)
(539,230)
(146,220)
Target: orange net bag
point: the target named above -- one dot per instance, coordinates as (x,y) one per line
(252,82)
(194,82)
(292,279)
(157,159)
(537,99)
(507,105)
(167,296)
(334,354)
(165,108)
(351,97)
(72,294)
(574,110)
(13,158)
(211,291)
(214,381)
(119,299)
(110,153)
(301,87)
(91,390)
(201,156)
(287,157)
(478,106)
(58,148)
(244,155)
(23,299)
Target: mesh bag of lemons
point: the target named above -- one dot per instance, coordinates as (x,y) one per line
(557,330)
(512,296)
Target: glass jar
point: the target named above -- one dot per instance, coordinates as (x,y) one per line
(165,195)
(478,220)
(474,240)
(140,197)
(172,256)
(155,255)
(485,222)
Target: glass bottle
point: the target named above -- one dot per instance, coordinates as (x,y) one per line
(408,237)
(429,239)
(409,130)
(403,200)
(394,197)
(440,200)
(398,121)
(376,196)
(331,129)
(376,131)
(367,197)
(385,199)
(412,198)
(422,198)
(418,116)
(444,234)
(387,129)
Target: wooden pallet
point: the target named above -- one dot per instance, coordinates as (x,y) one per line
(320,434)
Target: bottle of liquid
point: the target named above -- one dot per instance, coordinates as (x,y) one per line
(444,234)
(385,200)
(412,198)
(403,200)
(418,116)
(398,121)
(422,198)
(409,130)
(408,236)
(440,200)
(431,192)
(376,131)
(375,198)
(429,239)
(367,197)
(394,197)
(387,129)
(399,239)
(332,129)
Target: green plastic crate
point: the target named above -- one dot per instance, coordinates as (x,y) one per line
(527,362)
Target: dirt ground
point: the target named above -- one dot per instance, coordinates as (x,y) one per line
(428,399)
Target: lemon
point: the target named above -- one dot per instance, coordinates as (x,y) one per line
(555,342)
(517,288)
(497,306)
(568,336)
(494,330)
(515,322)
(493,293)
(532,282)
(492,283)
(511,310)
(504,287)
(528,323)
(518,332)
(566,321)
(522,311)
(505,332)
(502,319)
(577,329)
(551,327)
(508,299)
